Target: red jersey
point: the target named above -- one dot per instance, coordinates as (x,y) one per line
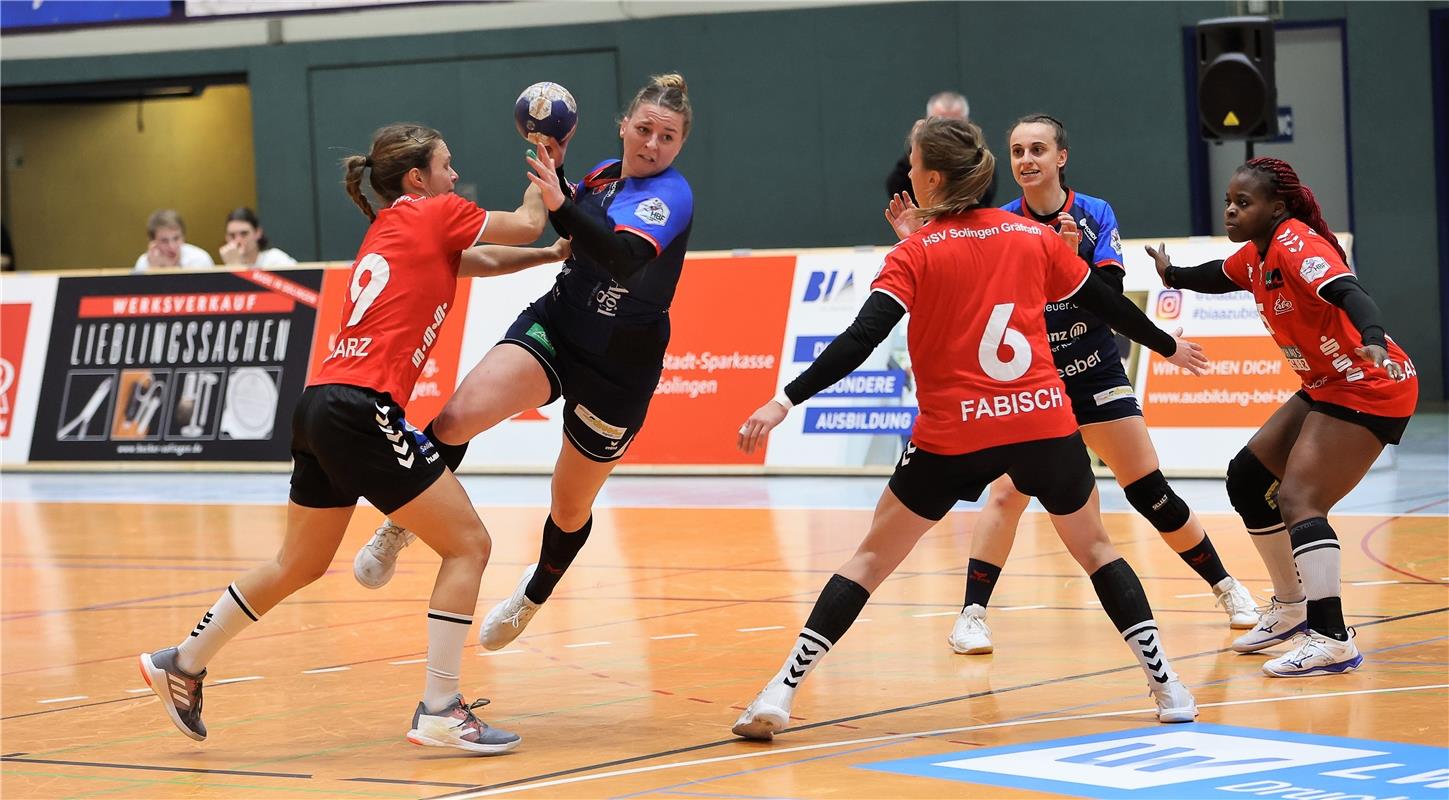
(975,285)
(401,290)
(1317,337)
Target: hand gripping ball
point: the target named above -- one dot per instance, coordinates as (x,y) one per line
(546,108)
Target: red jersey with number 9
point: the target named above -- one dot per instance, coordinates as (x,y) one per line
(1317,337)
(976,285)
(400,291)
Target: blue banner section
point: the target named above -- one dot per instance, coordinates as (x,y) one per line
(30,14)
(1197,761)
(807,348)
(869,383)
(882,420)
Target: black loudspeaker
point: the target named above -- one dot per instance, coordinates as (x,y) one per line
(1237,93)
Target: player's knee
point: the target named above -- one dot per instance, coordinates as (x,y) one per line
(301,570)
(1155,500)
(1254,492)
(1298,501)
(1008,501)
(451,426)
(570,514)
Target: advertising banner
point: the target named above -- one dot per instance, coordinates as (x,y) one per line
(182,367)
(26,303)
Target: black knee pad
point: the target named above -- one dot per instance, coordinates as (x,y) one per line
(1253,491)
(1154,499)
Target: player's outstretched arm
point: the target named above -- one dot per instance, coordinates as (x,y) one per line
(1097,296)
(1206,278)
(486,261)
(525,224)
(844,354)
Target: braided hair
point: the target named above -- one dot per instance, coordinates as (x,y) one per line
(1283,183)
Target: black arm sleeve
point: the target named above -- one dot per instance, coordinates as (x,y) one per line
(1206,278)
(568,191)
(1363,312)
(872,325)
(622,254)
(1114,275)
(1097,296)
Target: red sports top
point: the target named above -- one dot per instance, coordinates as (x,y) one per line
(975,285)
(401,290)
(1317,337)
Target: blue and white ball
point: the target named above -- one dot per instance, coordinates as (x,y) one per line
(546,108)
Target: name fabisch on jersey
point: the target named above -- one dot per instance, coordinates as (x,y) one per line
(979,233)
(108,344)
(1005,405)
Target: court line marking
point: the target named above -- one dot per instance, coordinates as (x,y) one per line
(141,690)
(672,636)
(1372,583)
(587,644)
(149,767)
(761,628)
(408,661)
(225,681)
(1194,594)
(1019,608)
(916,735)
(937,614)
(514,650)
(321,670)
(64,699)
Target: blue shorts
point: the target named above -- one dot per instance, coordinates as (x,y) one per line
(606,394)
(1102,394)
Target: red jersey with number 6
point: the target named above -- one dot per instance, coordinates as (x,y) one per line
(1317,337)
(975,285)
(401,290)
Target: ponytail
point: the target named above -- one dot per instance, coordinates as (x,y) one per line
(957,150)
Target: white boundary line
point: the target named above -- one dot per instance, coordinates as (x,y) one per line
(919,734)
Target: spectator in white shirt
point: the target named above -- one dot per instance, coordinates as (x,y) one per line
(247,245)
(168,246)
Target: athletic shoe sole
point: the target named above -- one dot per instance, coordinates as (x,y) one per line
(970,651)
(1330,669)
(482,749)
(766,723)
(1267,643)
(156,677)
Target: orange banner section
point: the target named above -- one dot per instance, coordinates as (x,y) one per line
(440,375)
(180,305)
(1248,380)
(723,361)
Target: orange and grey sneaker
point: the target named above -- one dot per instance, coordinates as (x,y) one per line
(180,692)
(457,726)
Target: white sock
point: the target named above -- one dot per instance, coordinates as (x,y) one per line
(1142,638)
(447,632)
(809,650)
(229,616)
(1276,550)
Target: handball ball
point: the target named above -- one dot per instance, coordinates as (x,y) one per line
(546,108)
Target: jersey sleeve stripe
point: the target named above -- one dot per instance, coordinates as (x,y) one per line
(1109,262)
(1086,276)
(486,216)
(641,234)
(893,297)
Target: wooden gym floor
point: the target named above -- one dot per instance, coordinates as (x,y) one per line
(627,682)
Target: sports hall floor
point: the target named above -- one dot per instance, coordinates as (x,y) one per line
(683,604)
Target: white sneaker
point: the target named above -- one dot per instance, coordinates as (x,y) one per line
(767,714)
(457,726)
(375,562)
(1236,600)
(1174,702)
(1277,622)
(509,617)
(970,636)
(1315,654)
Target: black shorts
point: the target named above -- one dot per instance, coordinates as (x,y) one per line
(1102,395)
(1055,471)
(606,395)
(349,442)
(1389,430)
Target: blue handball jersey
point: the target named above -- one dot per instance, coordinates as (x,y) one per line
(659,209)
(1080,341)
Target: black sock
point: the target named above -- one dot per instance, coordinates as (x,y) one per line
(836,608)
(1204,560)
(555,555)
(452,453)
(980,580)
(1121,594)
(1326,617)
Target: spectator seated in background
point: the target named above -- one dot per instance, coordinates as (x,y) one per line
(168,246)
(951,105)
(247,245)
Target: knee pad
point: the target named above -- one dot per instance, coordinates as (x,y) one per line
(1156,501)
(1253,491)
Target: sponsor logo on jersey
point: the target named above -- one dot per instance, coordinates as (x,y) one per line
(607,300)
(1313,268)
(1086,227)
(1273,279)
(1282,305)
(1341,361)
(1113,394)
(1077,329)
(1080,365)
(1116,241)
(652,211)
(1295,358)
(1291,241)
